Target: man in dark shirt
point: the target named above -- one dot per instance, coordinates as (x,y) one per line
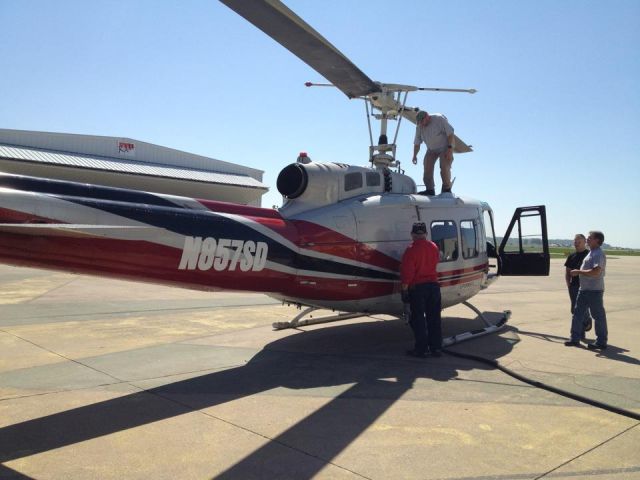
(420,288)
(574,261)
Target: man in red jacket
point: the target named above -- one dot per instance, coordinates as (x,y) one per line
(421,290)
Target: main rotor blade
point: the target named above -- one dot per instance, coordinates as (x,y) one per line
(293,33)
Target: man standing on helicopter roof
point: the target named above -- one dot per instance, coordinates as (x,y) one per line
(436,132)
(420,288)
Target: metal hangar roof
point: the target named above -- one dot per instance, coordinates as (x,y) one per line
(127,163)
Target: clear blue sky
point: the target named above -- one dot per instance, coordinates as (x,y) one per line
(555,120)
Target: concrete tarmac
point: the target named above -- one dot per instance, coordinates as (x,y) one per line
(103,379)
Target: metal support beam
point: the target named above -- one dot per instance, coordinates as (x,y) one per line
(298,322)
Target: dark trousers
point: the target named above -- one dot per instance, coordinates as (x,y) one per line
(426,308)
(573,295)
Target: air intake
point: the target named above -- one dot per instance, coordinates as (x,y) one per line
(292,180)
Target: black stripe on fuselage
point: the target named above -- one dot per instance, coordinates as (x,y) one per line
(75,189)
(197,223)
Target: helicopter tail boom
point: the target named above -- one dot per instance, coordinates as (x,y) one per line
(179,241)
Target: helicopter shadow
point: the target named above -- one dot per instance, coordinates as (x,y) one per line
(367,357)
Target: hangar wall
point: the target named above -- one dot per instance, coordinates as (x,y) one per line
(128,163)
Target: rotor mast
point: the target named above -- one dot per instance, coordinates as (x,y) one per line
(387,101)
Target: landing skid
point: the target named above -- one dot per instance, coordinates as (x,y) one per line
(489,327)
(448,341)
(298,322)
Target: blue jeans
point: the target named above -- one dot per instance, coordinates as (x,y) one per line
(573,295)
(426,321)
(593,301)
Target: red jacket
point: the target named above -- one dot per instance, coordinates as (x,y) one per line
(419,263)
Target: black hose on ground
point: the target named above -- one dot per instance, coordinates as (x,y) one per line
(544,386)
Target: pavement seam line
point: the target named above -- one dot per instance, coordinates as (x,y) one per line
(190,408)
(577,383)
(131,383)
(489,382)
(51,290)
(119,380)
(588,451)
(123,312)
(54,392)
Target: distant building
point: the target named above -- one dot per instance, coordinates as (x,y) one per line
(127,163)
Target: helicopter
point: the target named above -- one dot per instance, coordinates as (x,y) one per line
(336,242)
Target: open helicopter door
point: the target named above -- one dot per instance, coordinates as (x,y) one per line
(525,249)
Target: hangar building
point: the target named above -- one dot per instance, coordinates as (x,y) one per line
(127,163)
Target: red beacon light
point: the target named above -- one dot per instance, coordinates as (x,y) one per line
(303,158)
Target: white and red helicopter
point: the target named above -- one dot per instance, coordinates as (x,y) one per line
(335,244)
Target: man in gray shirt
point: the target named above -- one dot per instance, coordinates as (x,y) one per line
(591,294)
(436,132)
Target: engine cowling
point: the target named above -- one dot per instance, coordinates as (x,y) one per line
(311,185)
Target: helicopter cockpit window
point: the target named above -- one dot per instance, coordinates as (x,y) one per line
(373,179)
(352,181)
(469,239)
(445,234)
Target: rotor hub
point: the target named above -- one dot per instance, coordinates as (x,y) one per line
(383,160)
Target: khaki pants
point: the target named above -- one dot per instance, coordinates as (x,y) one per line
(445,169)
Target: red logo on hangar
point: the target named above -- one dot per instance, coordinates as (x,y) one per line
(126,147)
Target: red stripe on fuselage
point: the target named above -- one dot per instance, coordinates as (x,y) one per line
(321,239)
(130,260)
(13,216)
(460,281)
(461,271)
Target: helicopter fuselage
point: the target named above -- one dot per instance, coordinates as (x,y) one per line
(343,255)
(373,235)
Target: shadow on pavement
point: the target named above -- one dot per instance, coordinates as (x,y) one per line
(368,356)
(612,352)
(618,354)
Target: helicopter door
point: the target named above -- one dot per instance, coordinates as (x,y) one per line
(525,247)
(489,235)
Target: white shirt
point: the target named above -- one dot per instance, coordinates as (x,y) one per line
(435,134)
(595,258)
